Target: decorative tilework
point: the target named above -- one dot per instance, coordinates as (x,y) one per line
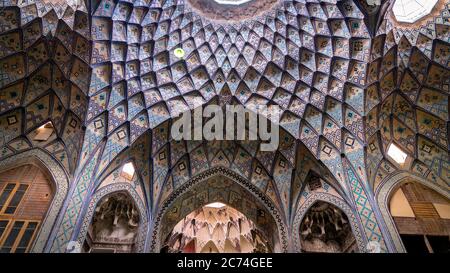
(364,208)
(108,190)
(340,91)
(201,178)
(76,199)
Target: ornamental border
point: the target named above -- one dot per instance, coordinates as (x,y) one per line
(156,240)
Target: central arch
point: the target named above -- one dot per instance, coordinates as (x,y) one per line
(162,229)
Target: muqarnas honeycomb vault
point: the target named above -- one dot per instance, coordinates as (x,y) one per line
(89,91)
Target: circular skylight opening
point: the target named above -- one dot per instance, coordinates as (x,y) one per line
(409,11)
(231,2)
(232,11)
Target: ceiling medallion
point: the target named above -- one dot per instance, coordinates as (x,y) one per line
(414,14)
(231,10)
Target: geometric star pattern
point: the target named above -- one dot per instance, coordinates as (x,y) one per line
(293,54)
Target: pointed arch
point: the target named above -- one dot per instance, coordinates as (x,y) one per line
(60,181)
(384,193)
(157,236)
(339,203)
(109,190)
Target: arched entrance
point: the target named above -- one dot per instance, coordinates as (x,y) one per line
(422,218)
(326,228)
(114,226)
(216,228)
(348,235)
(391,200)
(124,223)
(219,185)
(60,181)
(26,193)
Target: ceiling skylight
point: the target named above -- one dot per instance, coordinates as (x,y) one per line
(232,2)
(128,170)
(397,154)
(409,11)
(44,132)
(216,205)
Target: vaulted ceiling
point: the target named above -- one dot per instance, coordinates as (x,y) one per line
(407,96)
(294,55)
(349,79)
(44,60)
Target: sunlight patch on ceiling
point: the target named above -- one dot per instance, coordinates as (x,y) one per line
(216,205)
(409,11)
(397,154)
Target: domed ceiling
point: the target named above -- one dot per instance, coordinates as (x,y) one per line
(344,85)
(293,55)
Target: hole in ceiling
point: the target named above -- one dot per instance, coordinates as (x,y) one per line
(410,11)
(44,132)
(216,205)
(128,171)
(397,154)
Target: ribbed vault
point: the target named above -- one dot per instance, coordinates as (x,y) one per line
(294,56)
(166,165)
(112,76)
(44,76)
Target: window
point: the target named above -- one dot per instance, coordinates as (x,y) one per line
(25,194)
(128,171)
(409,11)
(3,225)
(397,154)
(17,236)
(11,197)
(26,237)
(5,195)
(44,132)
(232,2)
